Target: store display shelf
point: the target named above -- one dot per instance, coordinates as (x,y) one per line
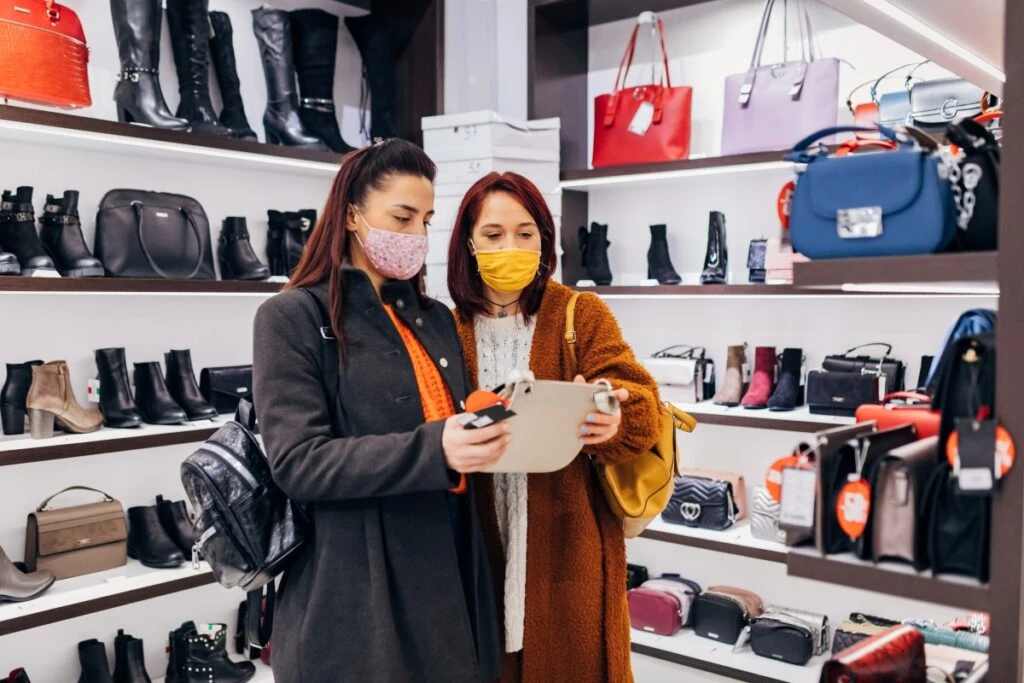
(42,127)
(735,541)
(18,450)
(967,273)
(592,178)
(689,649)
(606,11)
(799,420)
(891,578)
(126,286)
(101,591)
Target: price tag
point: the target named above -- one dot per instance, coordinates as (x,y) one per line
(853,507)
(92,392)
(799,488)
(783,202)
(642,119)
(773,477)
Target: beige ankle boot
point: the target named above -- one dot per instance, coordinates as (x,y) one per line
(51,397)
(731,391)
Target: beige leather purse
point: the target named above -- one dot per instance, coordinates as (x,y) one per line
(739,486)
(76,540)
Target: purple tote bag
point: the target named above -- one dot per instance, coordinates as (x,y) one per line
(769,108)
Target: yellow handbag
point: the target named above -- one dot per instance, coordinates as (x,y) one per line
(639,490)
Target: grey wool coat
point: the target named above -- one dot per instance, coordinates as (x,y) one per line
(381,593)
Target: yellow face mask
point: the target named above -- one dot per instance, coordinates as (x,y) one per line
(507,270)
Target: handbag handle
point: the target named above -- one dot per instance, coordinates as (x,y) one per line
(245,414)
(801,154)
(691,350)
(623,74)
(888,348)
(887,74)
(149,257)
(907,396)
(45,505)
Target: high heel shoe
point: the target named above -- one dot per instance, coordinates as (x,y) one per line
(51,398)
(13,395)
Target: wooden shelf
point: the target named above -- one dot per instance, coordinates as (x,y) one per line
(101,591)
(123,285)
(735,541)
(18,450)
(689,649)
(799,420)
(891,578)
(44,127)
(590,178)
(967,273)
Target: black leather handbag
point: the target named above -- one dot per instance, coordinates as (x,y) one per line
(894,370)
(958,527)
(153,235)
(248,530)
(702,502)
(789,635)
(721,613)
(224,387)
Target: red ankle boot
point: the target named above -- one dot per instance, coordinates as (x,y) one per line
(763,382)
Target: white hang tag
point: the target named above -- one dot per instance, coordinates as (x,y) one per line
(881,387)
(92,392)
(799,488)
(642,119)
(742,640)
(803,374)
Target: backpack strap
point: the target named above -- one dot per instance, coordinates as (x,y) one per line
(570,332)
(329,355)
(259,619)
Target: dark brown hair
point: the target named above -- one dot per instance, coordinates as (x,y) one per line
(464,283)
(329,245)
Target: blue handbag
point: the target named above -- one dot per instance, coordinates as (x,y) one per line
(880,204)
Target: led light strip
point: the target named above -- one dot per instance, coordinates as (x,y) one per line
(669,175)
(869,292)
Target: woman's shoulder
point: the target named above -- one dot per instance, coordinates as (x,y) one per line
(285,310)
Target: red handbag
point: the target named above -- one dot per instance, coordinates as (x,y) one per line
(901,408)
(645,123)
(43,55)
(896,655)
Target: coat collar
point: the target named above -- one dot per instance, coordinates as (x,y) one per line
(359,289)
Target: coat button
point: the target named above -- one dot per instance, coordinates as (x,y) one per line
(419,322)
(444,362)
(401,304)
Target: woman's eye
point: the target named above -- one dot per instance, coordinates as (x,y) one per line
(402,219)
(526,235)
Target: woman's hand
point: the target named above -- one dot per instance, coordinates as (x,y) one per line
(472,450)
(601,427)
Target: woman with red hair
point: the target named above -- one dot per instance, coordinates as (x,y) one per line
(557,550)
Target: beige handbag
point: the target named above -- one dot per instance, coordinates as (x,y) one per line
(739,486)
(76,540)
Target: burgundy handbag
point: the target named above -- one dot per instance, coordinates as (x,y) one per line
(655,611)
(896,655)
(643,123)
(771,107)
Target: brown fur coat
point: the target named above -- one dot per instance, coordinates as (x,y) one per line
(577,621)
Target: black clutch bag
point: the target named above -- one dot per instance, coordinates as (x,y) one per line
(721,616)
(893,370)
(840,393)
(702,502)
(225,387)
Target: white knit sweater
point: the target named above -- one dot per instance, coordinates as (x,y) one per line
(502,346)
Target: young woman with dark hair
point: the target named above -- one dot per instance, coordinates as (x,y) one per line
(557,551)
(394,586)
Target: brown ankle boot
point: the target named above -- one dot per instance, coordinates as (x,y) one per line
(51,397)
(731,391)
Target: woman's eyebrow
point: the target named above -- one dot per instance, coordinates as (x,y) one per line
(406,207)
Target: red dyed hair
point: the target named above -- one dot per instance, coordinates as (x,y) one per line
(464,283)
(329,245)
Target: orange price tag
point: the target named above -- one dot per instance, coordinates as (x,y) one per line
(853,506)
(1006,452)
(773,478)
(782,204)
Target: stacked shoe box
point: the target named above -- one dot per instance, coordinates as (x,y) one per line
(467,147)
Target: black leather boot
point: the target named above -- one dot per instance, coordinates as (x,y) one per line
(286,238)
(189,26)
(13,395)
(788,392)
(659,262)
(129,660)
(9,264)
(234,253)
(138,96)
(281,121)
(222,52)
(18,231)
(381,39)
(175,520)
(716,262)
(148,542)
(92,654)
(315,46)
(61,235)
(153,398)
(116,402)
(181,383)
(594,252)
(206,657)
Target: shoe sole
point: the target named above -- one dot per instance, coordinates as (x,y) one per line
(83,272)
(157,565)
(10,269)
(11,598)
(33,271)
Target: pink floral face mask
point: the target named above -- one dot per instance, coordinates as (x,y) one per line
(395,255)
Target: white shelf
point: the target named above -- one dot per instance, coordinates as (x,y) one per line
(799,419)
(96,592)
(735,541)
(743,665)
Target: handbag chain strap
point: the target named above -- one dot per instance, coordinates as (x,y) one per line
(45,505)
(139,215)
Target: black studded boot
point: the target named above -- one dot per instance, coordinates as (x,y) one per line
(234,252)
(659,262)
(205,657)
(315,46)
(594,252)
(222,53)
(61,235)
(189,27)
(18,231)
